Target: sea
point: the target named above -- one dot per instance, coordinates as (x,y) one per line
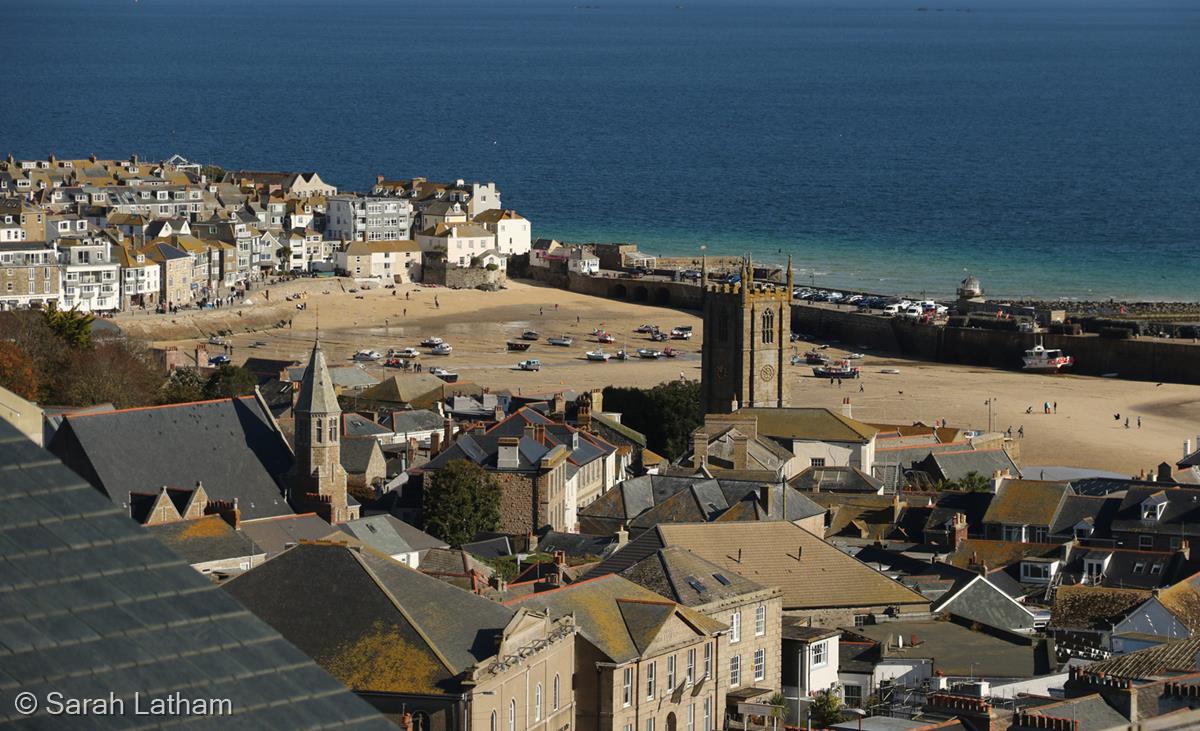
(1050,148)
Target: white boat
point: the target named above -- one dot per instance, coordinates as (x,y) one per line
(650,353)
(368,355)
(561,340)
(1040,359)
(598,355)
(404,353)
(855,356)
(445,375)
(442,349)
(622,354)
(432,341)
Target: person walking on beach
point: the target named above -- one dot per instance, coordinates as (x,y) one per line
(1021,432)
(1056,407)
(1139,422)
(436,304)
(408,295)
(541,312)
(1010,431)
(1126,422)
(861,388)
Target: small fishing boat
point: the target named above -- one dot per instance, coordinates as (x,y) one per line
(404,353)
(649,353)
(682,333)
(530,335)
(647,329)
(598,355)
(445,375)
(670,352)
(367,355)
(563,341)
(855,356)
(812,357)
(1039,359)
(396,363)
(890,371)
(658,336)
(836,369)
(431,342)
(442,349)
(518,345)
(605,338)
(622,354)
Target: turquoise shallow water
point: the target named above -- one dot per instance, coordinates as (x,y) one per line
(1050,148)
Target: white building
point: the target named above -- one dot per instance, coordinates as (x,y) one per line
(29,274)
(141,278)
(351,218)
(388,261)
(514,234)
(582,261)
(460,243)
(91,280)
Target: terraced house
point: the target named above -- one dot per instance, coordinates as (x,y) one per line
(29,274)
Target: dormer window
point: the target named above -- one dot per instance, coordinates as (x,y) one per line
(1083,529)
(1153,508)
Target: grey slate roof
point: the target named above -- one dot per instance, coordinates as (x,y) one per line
(685,578)
(356,454)
(1152,661)
(980,601)
(403,422)
(231,445)
(390,535)
(276,535)
(205,539)
(90,603)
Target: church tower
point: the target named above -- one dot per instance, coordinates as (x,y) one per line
(317,479)
(747,338)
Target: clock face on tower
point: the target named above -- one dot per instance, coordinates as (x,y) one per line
(766,372)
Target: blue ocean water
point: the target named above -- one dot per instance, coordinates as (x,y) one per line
(1051,148)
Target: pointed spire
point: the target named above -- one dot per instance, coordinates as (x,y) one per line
(316,387)
(791,278)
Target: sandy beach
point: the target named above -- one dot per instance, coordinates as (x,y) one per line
(1083,433)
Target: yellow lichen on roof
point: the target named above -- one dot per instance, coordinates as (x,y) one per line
(381,659)
(212,526)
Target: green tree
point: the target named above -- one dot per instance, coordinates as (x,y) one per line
(113,371)
(461,500)
(73,326)
(826,708)
(666,414)
(230,380)
(214,172)
(973,482)
(183,386)
(780,706)
(16,371)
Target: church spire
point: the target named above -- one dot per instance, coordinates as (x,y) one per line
(316,387)
(791,279)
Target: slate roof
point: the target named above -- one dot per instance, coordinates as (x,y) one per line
(1152,661)
(1088,713)
(276,535)
(231,445)
(205,539)
(357,425)
(1181,517)
(978,600)
(1183,601)
(356,454)
(390,535)
(810,424)
(584,447)
(575,545)
(91,603)
(958,464)
(396,636)
(835,479)
(488,548)
(774,553)
(1097,512)
(957,650)
(452,561)
(421,390)
(973,552)
(685,578)
(1027,502)
(402,422)
(1078,606)
(619,617)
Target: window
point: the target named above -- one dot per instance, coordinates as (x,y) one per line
(820,655)
(627,687)
(768,326)
(690,672)
(707,725)
(512,715)
(760,664)
(650,724)
(852,695)
(1041,534)
(554,695)
(537,702)
(735,627)
(1014,533)
(735,671)
(1039,571)
(760,620)
(320,432)
(707,660)
(1139,567)
(671,673)
(817,461)
(1156,568)
(651,679)
(691,718)
(494,723)
(1145,541)
(333,430)
(860,620)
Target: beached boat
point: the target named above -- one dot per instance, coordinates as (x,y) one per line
(367,355)
(1040,359)
(518,345)
(836,369)
(647,329)
(563,341)
(397,363)
(533,364)
(622,354)
(404,353)
(598,355)
(431,341)
(650,353)
(682,333)
(658,336)
(670,352)
(442,349)
(445,375)
(605,338)
(530,335)
(812,357)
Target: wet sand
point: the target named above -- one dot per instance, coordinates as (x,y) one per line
(1082,434)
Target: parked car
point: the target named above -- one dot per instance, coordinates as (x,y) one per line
(218,360)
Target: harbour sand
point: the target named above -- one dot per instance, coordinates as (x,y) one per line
(1083,432)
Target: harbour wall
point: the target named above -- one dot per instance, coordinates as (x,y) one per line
(1134,359)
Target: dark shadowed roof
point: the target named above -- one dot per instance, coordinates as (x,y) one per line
(93,603)
(231,445)
(205,539)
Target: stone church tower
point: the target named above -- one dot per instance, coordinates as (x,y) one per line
(747,338)
(317,479)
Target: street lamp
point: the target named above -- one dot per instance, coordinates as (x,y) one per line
(991,402)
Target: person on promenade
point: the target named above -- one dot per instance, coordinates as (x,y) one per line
(1021,432)
(1056,407)
(1126,422)
(1139,422)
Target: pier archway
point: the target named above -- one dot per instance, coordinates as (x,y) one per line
(662,297)
(619,292)
(641,294)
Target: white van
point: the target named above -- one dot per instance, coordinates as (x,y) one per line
(915,312)
(891,310)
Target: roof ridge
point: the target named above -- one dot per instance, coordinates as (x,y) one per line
(79,414)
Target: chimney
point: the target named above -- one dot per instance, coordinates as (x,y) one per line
(740,444)
(448,430)
(435,444)
(847,411)
(1185,549)
(498,413)
(766,497)
(508,455)
(530,432)
(560,407)
(378,180)
(539,433)
(1187,446)
(201,355)
(699,448)
(92,157)
(597,400)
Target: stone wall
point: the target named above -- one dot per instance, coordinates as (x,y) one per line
(516,503)
(437,271)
